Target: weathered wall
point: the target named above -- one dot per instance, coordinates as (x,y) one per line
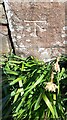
(37,28)
(66,27)
(5,45)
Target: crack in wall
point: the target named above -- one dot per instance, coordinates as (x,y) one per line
(9,32)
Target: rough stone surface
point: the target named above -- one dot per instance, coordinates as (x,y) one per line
(2,15)
(3,30)
(5,45)
(37,28)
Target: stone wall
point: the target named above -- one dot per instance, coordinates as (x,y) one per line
(5,44)
(37,28)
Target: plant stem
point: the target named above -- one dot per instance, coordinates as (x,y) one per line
(58,83)
(54,98)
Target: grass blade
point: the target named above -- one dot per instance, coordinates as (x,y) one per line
(48,103)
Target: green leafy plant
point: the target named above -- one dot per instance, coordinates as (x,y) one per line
(32,89)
